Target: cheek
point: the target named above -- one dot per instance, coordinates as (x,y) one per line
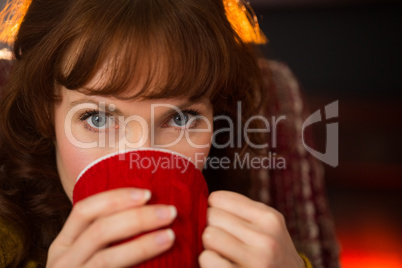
(200,157)
(195,147)
(71,160)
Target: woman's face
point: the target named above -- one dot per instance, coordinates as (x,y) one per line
(89,127)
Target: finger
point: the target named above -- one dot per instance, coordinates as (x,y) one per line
(120,226)
(211,259)
(224,244)
(134,252)
(103,204)
(235,226)
(262,216)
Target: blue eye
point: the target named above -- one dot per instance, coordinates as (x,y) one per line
(185,119)
(181,119)
(97,120)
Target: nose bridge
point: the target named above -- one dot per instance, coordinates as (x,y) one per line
(137,133)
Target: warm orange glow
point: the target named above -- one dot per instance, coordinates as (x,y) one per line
(362,259)
(244,21)
(375,243)
(11,17)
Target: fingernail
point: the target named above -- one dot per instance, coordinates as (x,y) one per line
(168,212)
(147,194)
(173,212)
(165,237)
(138,195)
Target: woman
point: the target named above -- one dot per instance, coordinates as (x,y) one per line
(84,66)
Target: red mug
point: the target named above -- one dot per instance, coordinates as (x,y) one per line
(173,180)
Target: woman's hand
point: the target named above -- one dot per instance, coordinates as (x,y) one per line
(244,233)
(109,217)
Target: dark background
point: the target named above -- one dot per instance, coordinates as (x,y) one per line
(351,51)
